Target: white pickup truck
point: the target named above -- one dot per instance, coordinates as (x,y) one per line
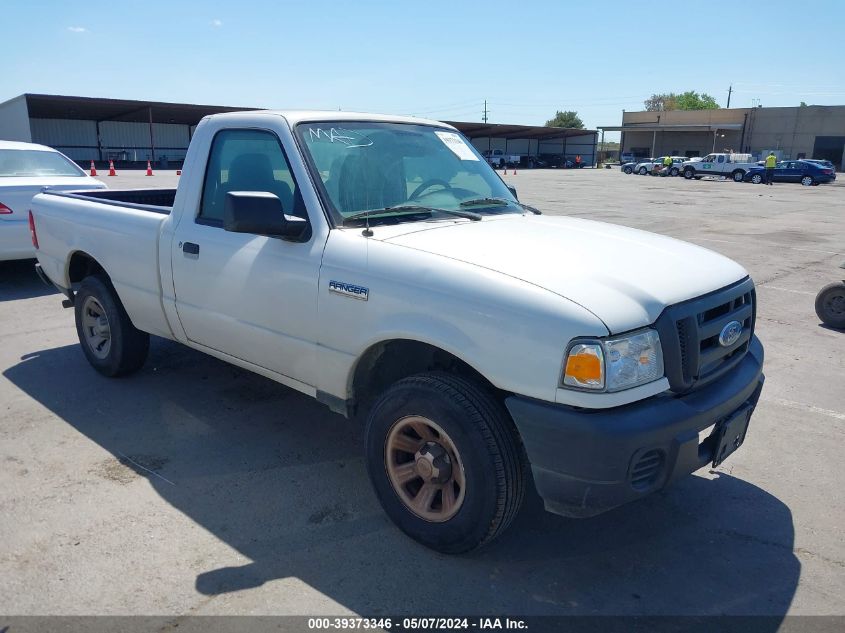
(734,166)
(379,265)
(497,158)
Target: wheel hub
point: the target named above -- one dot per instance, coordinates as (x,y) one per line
(836,304)
(424,468)
(433,464)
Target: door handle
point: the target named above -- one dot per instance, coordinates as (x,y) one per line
(190,248)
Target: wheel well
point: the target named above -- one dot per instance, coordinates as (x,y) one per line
(389,361)
(82,265)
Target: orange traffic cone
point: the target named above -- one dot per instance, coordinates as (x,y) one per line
(514,170)
(505,173)
(112,172)
(93,169)
(149,169)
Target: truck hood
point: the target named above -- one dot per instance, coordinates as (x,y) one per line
(624,276)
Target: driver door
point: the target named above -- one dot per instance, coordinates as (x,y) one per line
(252,297)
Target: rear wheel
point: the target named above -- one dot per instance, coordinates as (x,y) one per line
(689,174)
(830,305)
(738,175)
(446,462)
(807,181)
(674,171)
(110,342)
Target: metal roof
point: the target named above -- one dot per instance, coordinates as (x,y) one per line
(96,109)
(651,127)
(501,130)
(43,106)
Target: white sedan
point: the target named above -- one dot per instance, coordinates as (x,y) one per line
(647,166)
(25,170)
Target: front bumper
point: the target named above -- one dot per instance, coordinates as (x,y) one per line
(586,462)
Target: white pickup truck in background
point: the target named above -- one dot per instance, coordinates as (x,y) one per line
(729,165)
(497,158)
(379,265)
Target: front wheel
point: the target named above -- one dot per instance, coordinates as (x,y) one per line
(643,171)
(689,174)
(674,171)
(628,170)
(757,178)
(830,305)
(807,181)
(446,462)
(110,342)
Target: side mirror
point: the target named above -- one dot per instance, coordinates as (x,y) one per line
(260,213)
(512,189)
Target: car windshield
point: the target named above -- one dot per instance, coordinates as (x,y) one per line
(373,166)
(26,162)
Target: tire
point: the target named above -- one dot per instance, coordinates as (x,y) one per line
(689,174)
(738,175)
(110,342)
(643,171)
(628,170)
(674,171)
(487,467)
(830,305)
(807,181)
(757,178)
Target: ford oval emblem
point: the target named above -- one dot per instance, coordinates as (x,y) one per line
(730,334)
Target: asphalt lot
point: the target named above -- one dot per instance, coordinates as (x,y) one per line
(194,487)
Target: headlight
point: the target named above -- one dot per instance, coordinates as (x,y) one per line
(614,364)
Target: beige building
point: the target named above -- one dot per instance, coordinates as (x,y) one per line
(796,132)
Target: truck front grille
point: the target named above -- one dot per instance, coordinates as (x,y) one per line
(689,334)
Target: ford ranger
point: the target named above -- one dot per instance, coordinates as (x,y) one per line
(734,166)
(380,265)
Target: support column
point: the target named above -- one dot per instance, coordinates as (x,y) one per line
(152,140)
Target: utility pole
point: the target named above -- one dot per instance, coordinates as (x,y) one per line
(484,117)
(730,90)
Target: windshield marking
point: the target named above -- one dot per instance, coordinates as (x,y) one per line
(341,135)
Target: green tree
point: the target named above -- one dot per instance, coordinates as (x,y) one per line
(568,118)
(803,104)
(689,100)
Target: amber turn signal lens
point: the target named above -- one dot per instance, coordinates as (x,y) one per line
(585,367)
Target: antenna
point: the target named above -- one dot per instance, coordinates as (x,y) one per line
(730,90)
(484,116)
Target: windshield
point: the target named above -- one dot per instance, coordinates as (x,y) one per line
(27,162)
(372,166)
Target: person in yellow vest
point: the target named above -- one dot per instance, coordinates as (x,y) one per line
(771,161)
(667,165)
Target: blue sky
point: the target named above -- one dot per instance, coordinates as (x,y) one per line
(434,59)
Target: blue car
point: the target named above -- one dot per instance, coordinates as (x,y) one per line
(802,171)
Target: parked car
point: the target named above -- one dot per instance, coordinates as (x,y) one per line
(628,168)
(803,171)
(26,169)
(496,344)
(734,166)
(823,163)
(647,166)
(497,158)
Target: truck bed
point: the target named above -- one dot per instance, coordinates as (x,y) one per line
(155,200)
(120,230)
